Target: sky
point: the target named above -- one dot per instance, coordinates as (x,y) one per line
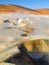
(33,4)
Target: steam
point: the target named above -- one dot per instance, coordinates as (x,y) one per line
(21,15)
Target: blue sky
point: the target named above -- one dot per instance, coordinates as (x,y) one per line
(28,3)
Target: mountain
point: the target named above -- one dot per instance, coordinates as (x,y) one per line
(44,11)
(6,8)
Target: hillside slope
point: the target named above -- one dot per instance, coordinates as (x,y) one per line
(5,8)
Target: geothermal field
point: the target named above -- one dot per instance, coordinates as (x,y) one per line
(24,37)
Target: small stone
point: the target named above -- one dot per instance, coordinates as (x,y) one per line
(23,34)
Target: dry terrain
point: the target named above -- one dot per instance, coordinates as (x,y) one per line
(4,8)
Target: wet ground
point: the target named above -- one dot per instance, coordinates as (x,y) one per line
(21,59)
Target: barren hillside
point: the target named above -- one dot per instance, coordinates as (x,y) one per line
(5,8)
